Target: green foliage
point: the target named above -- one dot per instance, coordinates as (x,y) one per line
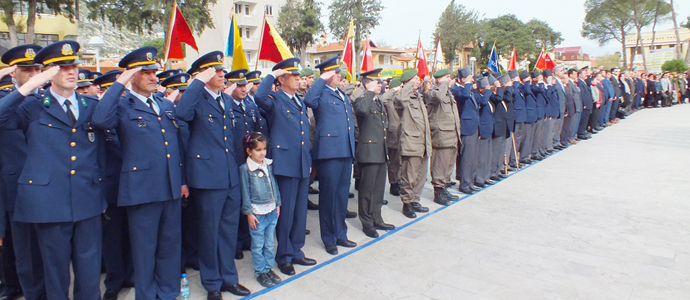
(507,31)
(687,23)
(457,27)
(609,61)
(545,36)
(160,45)
(299,23)
(675,66)
(365,13)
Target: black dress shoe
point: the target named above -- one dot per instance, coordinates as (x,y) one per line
(239,255)
(525,161)
(384,226)
(332,250)
(452,183)
(109,295)
(286,269)
(305,261)
(419,208)
(312,205)
(442,201)
(313,191)
(385,202)
(450,196)
(502,175)
(214,295)
(394,189)
(495,178)
(478,186)
(468,191)
(490,182)
(264,280)
(512,168)
(370,232)
(273,277)
(346,243)
(357,184)
(306,231)
(237,290)
(350,214)
(408,211)
(351,195)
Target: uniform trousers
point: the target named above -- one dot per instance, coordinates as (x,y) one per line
(334,188)
(557,129)
(523,138)
(594,117)
(371,190)
(156,237)
(547,136)
(190,239)
(498,152)
(21,244)
(467,160)
(218,215)
(117,249)
(537,137)
(413,176)
(575,123)
(483,160)
(292,222)
(567,129)
(78,243)
(442,162)
(394,165)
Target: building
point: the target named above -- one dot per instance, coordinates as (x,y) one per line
(250,14)
(391,60)
(663,49)
(49,29)
(571,57)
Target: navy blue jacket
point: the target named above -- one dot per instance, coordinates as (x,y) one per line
(486,114)
(61,178)
(260,114)
(552,105)
(210,152)
(500,113)
(289,131)
(12,157)
(539,92)
(530,102)
(510,108)
(245,123)
(519,103)
(585,94)
(151,161)
(113,167)
(335,126)
(468,106)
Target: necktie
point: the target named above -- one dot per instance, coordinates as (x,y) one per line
(70,114)
(378,103)
(220,103)
(150,102)
(297,102)
(241,106)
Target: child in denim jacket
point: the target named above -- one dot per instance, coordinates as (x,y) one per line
(261,204)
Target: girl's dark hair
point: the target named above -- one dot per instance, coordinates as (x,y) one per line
(252,140)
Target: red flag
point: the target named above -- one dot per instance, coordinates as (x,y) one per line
(512,65)
(348,57)
(422,67)
(549,64)
(544,62)
(179,33)
(367,60)
(272,47)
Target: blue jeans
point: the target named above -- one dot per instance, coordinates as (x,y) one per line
(263,242)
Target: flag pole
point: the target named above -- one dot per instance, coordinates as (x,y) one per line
(438,41)
(169,38)
(261,41)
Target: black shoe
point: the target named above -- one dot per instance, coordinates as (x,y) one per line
(490,182)
(237,290)
(384,226)
(452,183)
(583,137)
(214,295)
(307,231)
(385,202)
(419,208)
(408,211)
(440,197)
(239,255)
(273,277)
(496,178)
(442,201)
(394,189)
(475,188)
(304,261)
(346,243)
(370,232)
(351,195)
(525,161)
(109,295)
(313,191)
(286,269)
(350,215)
(512,168)
(312,205)
(478,186)
(264,280)
(450,196)
(468,191)
(332,250)
(502,175)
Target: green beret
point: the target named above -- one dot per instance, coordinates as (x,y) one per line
(407,75)
(442,72)
(395,82)
(306,72)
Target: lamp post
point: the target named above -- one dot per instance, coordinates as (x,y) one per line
(97,42)
(472,61)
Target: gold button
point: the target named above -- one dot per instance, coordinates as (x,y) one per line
(348,119)
(159,118)
(384,129)
(72,172)
(302,143)
(302,132)
(278,146)
(107,130)
(210,116)
(198,156)
(74,130)
(301,122)
(384,137)
(225,138)
(166,143)
(348,127)
(329,134)
(31,181)
(369,141)
(225,127)
(50,125)
(139,118)
(301,113)
(99,179)
(245,123)
(383,121)
(226,150)
(134,169)
(72,144)
(74,158)
(223,116)
(168,155)
(163,130)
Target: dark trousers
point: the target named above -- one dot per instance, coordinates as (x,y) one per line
(568,129)
(537,137)
(525,144)
(557,130)
(334,187)
(10,280)
(483,160)
(244,238)
(614,109)
(23,258)
(76,242)
(218,216)
(467,159)
(584,121)
(117,249)
(292,222)
(190,239)
(370,196)
(156,237)
(498,152)
(594,117)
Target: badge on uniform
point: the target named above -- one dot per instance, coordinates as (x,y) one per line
(46,101)
(83,102)
(253,116)
(171,117)
(92,136)
(142,124)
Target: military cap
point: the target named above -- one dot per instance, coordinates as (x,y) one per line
(167,73)
(107,79)
(483,82)
(22,55)
(547,73)
(464,72)
(254,76)
(504,79)
(524,75)
(343,73)
(238,76)
(211,59)
(59,53)
(290,64)
(95,75)
(491,79)
(535,74)
(407,75)
(512,74)
(478,77)
(84,78)
(332,63)
(178,81)
(6,82)
(395,82)
(306,72)
(442,72)
(142,57)
(584,68)
(374,74)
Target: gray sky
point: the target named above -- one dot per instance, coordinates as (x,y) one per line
(402,20)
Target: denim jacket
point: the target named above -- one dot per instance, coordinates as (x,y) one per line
(258,187)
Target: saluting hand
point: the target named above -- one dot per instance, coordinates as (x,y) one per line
(327,75)
(250,86)
(38,80)
(279,72)
(230,88)
(206,75)
(7,71)
(372,86)
(173,95)
(126,76)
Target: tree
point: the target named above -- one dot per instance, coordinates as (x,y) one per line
(366,15)
(607,20)
(457,27)
(299,24)
(609,61)
(675,26)
(160,45)
(674,66)
(32,7)
(687,53)
(508,32)
(545,36)
(644,13)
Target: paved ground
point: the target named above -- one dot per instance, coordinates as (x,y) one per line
(605,219)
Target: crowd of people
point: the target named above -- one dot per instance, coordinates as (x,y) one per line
(147,173)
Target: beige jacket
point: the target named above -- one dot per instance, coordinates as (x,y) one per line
(415,135)
(443,117)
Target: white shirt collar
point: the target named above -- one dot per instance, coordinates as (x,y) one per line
(72,99)
(213,94)
(253,166)
(289,96)
(144,99)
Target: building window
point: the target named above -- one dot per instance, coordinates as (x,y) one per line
(381,58)
(269,10)
(247,33)
(672,45)
(239,29)
(657,47)
(317,61)
(238,8)
(246,9)
(248,56)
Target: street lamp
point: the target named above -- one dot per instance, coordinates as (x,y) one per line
(472,61)
(97,42)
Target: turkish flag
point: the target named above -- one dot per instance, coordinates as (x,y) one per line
(512,65)
(367,60)
(179,33)
(422,67)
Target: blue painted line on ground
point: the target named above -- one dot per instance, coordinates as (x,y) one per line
(386,235)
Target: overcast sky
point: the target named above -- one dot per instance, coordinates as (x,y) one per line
(402,20)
